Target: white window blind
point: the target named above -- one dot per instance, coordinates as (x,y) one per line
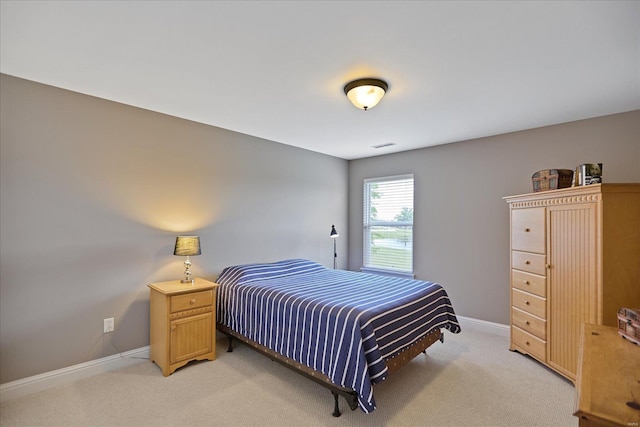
(388,224)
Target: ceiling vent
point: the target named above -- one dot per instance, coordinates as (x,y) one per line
(388,144)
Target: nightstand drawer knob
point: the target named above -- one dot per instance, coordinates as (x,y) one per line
(527,262)
(526,302)
(526,282)
(527,230)
(193,301)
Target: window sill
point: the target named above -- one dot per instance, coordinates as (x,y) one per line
(393,273)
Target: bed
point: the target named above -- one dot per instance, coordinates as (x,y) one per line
(343,329)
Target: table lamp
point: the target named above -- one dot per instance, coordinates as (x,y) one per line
(187,246)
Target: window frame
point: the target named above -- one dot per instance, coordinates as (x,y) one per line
(368,223)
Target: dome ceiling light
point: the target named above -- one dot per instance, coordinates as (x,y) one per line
(365,93)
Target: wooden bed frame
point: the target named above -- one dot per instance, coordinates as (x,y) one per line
(393,364)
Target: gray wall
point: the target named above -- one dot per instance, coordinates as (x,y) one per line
(92,195)
(461,222)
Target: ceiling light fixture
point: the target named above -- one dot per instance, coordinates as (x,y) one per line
(365,93)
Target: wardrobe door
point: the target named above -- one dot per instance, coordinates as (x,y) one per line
(573,281)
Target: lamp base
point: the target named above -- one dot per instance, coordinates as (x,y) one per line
(187,272)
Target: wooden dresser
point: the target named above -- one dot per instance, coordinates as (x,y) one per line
(574,258)
(608,383)
(182,323)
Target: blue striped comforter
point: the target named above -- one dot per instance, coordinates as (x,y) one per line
(341,323)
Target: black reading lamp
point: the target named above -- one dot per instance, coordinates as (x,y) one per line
(187,246)
(334,235)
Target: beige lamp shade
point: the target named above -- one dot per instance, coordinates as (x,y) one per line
(365,93)
(187,246)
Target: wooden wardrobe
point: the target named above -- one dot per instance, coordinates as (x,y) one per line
(575,258)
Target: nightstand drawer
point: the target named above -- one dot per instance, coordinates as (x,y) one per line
(528,322)
(191,300)
(529,262)
(528,282)
(531,344)
(530,303)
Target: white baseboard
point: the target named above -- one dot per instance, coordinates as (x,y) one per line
(36,383)
(471,324)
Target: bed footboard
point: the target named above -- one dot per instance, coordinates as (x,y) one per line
(405,356)
(351,396)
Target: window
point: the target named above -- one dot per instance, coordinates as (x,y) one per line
(388,225)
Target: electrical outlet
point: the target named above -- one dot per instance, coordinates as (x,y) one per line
(108,325)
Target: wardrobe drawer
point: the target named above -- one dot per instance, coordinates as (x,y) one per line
(529,323)
(529,262)
(528,230)
(529,303)
(529,343)
(528,282)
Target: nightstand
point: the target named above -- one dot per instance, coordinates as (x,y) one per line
(182,323)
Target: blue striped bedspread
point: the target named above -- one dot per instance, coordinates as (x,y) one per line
(344,324)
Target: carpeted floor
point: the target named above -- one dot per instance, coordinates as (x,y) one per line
(470,380)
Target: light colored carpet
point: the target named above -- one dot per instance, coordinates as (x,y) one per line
(470,380)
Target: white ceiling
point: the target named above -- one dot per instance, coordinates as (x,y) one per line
(456,70)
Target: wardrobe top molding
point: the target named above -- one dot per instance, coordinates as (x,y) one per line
(584,193)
